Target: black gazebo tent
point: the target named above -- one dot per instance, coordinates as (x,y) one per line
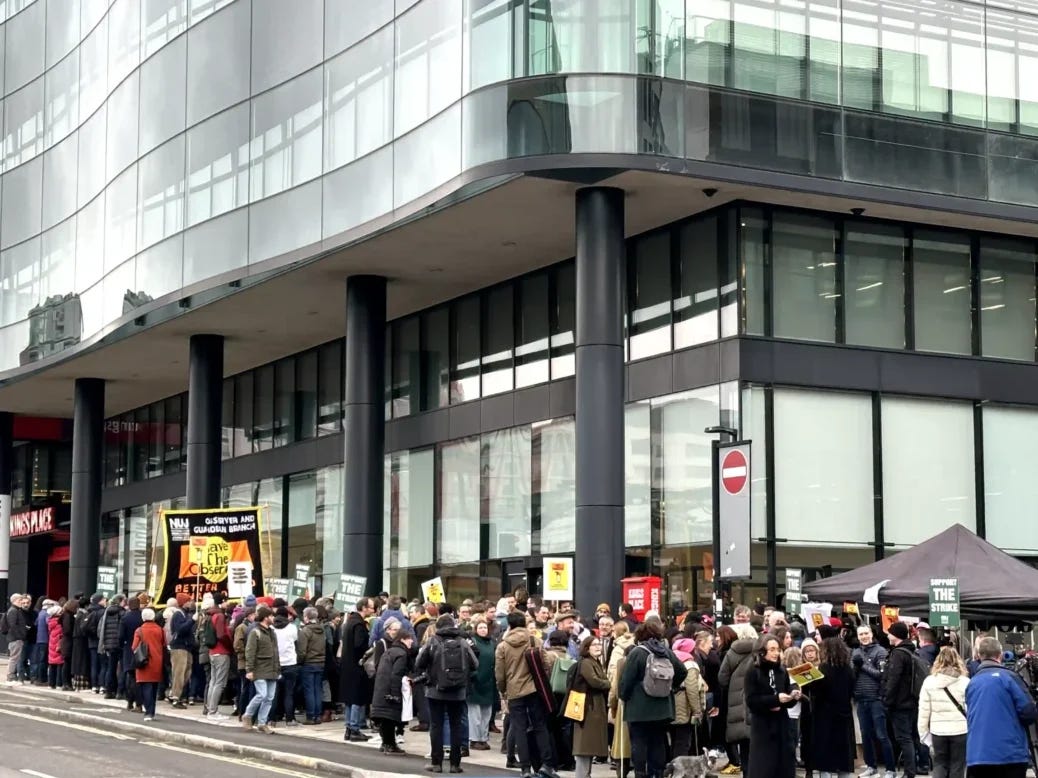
(993,586)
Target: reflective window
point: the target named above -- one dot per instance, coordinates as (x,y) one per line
(683,459)
(61,110)
(695,301)
(823,467)
(330,388)
(804,273)
(286,136)
(220,45)
(459,509)
(24,62)
(1010,489)
(581,36)
(660,37)
(348,21)
(874,269)
(489,45)
(408,528)
(269,495)
(562,319)
(1007,299)
(93,68)
(508,487)
(160,269)
(263,409)
(465,349)
(202,9)
(531,349)
(649,295)
(19,281)
(752,230)
(162,192)
(287,38)
(124,36)
(406,366)
(23,202)
(286,222)
(435,335)
(415,171)
(218,165)
(122,135)
(121,219)
(941,292)
(284,396)
(330,510)
(23,124)
(161,22)
(428,62)
(358,100)
(174,453)
(243,432)
(58,260)
(62,28)
(216,246)
(163,95)
(498,340)
(305,404)
(91,162)
(59,181)
(90,244)
(117,287)
(554,448)
(637,475)
(358,192)
(928,468)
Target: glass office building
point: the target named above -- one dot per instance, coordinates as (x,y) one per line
(826,240)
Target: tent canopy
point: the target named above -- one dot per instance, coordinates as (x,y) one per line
(993,585)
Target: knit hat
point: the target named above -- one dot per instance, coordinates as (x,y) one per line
(183,599)
(687,645)
(250,601)
(96,598)
(809,643)
(898,630)
(172,603)
(148,614)
(603,607)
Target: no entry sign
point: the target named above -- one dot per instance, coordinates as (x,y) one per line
(734,471)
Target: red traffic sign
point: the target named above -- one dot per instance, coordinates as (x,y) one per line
(734,471)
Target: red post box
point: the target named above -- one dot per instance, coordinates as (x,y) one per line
(643,594)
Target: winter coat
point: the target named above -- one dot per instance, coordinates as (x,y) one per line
(132,620)
(311,644)
(110,623)
(690,699)
(897,678)
(379,628)
(868,662)
(54,636)
(620,748)
(68,625)
(832,720)
(732,678)
(510,669)
(938,714)
(482,688)
(224,636)
(620,648)
(355,688)
(93,622)
(710,667)
(182,630)
(638,706)
(998,707)
(928,653)
(17,628)
(286,633)
(388,698)
(151,633)
(261,654)
(771,743)
(429,661)
(241,634)
(591,736)
(42,636)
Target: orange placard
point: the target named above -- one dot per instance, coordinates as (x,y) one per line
(817,619)
(851,607)
(888,615)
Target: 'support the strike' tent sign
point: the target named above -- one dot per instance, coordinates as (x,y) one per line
(944,602)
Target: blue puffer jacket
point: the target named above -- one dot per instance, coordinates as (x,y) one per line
(42,630)
(868,672)
(998,708)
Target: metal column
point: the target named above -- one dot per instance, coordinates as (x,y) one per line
(87,478)
(204,411)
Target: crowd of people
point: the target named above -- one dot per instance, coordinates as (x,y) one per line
(767,691)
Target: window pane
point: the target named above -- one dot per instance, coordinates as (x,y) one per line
(508,492)
(218,165)
(93,69)
(638,475)
(24,61)
(695,304)
(161,21)
(660,37)
(263,412)
(330,510)
(62,28)
(349,21)
(563,320)
(62,100)
(215,246)
(287,38)
(435,331)
(269,497)
(244,433)
(156,440)
(683,460)
(227,420)
(459,521)
(140,447)
(220,44)
(531,350)
(752,228)
(124,40)
(408,528)
(941,286)
(928,469)
(91,166)
(823,467)
(122,135)
(59,181)
(284,393)
(19,281)
(330,389)
(874,256)
(23,125)
(489,26)
(804,273)
(582,36)
(162,192)
(428,62)
(465,349)
(163,95)
(498,339)
(23,203)
(286,136)
(555,460)
(1007,299)
(121,208)
(304,546)
(285,222)
(306,395)
(406,366)
(650,295)
(1010,489)
(173,452)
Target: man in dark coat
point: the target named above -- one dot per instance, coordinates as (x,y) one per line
(448,687)
(108,642)
(354,684)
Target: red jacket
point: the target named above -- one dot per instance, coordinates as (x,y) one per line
(54,636)
(224,637)
(151,633)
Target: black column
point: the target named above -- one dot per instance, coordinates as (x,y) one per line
(600,552)
(204,410)
(87,477)
(364,423)
(6,472)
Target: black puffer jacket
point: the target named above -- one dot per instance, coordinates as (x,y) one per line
(430,659)
(868,662)
(897,680)
(736,664)
(112,622)
(388,699)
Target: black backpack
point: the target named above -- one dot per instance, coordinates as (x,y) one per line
(453,669)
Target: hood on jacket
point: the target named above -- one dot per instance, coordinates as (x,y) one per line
(657,647)
(314,626)
(280,622)
(743,647)
(946,677)
(448,632)
(517,637)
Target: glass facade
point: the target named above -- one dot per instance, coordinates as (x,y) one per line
(123,162)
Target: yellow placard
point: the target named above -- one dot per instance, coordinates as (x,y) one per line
(558,578)
(432,591)
(851,608)
(804,674)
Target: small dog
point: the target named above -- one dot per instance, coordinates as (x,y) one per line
(691,767)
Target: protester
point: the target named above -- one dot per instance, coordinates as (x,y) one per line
(833,715)
(689,703)
(868,661)
(149,676)
(311,651)
(220,642)
(769,693)
(450,664)
(942,714)
(246,621)
(262,669)
(355,685)
(16,629)
(55,660)
(899,695)
(286,633)
(591,735)
(388,696)
(109,641)
(482,690)
(732,680)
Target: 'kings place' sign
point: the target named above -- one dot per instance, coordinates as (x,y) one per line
(39,521)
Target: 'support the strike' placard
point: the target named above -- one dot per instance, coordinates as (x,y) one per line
(201,545)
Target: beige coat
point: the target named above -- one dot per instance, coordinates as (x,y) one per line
(622,645)
(937,714)
(621,746)
(510,669)
(690,699)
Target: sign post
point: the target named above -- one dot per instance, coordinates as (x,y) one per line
(278,588)
(301,582)
(351,589)
(732,509)
(106,580)
(944,602)
(557,575)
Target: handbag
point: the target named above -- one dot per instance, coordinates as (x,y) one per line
(141,657)
(575,703)
(368,662)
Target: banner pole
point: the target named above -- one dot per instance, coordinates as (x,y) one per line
(270,546)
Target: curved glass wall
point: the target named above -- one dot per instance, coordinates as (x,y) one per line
(129,172)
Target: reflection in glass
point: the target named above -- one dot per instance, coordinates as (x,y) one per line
(348,21)
(286,222)
(124,40)
(459,509)
(406,367)
(62,28)
(329,520)
(408,528)
(489,45)
(161,21)
(23,202)
(1007,299)
(563,313)
(162,192)
(498,340)
(649,295)
(221,45)
(1010,489)
(305,403)
(19,281)
(160,269)
(695,301)
(874,269)
(24,61)
(638,475)
(91,162)
(90,244)
(554,472)
(428,62)
(508,489)
(358,192)
(58,260)
(218,165)
(121,218)
(215,246)
(122,134)
(59,181)
(23,124)
(93,68)
(804,271)
(415,171)
(683,459)
(61,111)
(163,95)
(284,396)
(941,292)
(465,349)
(330,388)
(291,37)
(435,335)
(286,136)
(531,348)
